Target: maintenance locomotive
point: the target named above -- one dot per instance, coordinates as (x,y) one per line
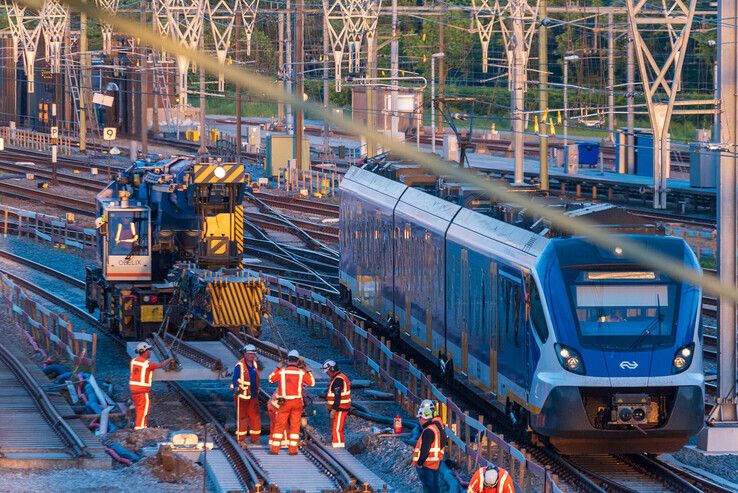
(582,345)
(170,245)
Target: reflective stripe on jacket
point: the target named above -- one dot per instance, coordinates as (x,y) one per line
(142,374)
(504,482)
(429,449)
(341,384)
(290,381)
(242,379)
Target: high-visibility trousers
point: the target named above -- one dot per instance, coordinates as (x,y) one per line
(142,401)
(337,424)
(284,443)
(248,419)
(288,417)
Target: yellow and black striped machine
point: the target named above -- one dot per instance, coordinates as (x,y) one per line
(188,238)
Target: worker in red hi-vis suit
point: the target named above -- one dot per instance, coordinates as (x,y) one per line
(142,375)
(491,479)
(245,388)
(338,399)
(290,379)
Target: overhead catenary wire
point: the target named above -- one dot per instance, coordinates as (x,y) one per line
(578,227)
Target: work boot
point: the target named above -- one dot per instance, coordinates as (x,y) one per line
(292,452)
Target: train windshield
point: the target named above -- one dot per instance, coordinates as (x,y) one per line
(128,233)
(625,315)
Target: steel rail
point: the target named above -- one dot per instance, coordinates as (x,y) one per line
(321,457)
(313,207)
(177,345)
(42,402)
(247,469)
(81,182)
(77,206)
(300,232)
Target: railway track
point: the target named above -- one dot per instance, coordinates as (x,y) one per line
(39,430)
(78,181)
(78,206)
(639,474)
(252,475)
(301,205)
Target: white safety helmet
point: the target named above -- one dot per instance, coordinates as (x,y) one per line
(426,410)
(248,348)
(142,347)
(329,365)
(294,354)
(491,476)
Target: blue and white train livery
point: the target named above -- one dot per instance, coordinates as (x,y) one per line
(587,347)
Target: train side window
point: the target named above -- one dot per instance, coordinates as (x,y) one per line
(538,318)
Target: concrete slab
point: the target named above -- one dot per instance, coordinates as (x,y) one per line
(718,439)
(190,369)
(292,472)
(221,475)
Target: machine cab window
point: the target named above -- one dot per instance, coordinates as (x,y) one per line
(127,244)
(128,232)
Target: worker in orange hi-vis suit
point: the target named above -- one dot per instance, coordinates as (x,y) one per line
(272,408)
(245,388)
(142,375)
(290,379)
(338,399)
(491,479)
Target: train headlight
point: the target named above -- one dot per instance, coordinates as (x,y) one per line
(682,358)
(570,359)
(220,172)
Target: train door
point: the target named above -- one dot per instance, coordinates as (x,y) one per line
(512,340)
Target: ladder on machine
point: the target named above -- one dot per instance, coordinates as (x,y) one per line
(74,91)
(161,88)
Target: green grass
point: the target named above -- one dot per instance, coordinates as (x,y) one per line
(708,262)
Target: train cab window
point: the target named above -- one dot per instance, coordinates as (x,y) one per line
(537,317)
(625,316)
(128,233)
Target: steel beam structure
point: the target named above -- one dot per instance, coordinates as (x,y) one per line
(25,29)
(110,6)
(721,432)
(660,80)
(518,21)
(54,23)
(222,16)
(484,19)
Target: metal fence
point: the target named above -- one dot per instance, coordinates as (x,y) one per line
(51,332)
(471,443)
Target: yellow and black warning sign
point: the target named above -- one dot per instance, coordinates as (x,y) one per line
(219,173)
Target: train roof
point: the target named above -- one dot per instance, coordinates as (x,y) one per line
(503,228)
(470,226)
(604,215)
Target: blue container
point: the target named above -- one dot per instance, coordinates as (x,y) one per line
(644,153)
(589,153)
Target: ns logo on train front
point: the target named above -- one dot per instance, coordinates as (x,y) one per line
(581,344)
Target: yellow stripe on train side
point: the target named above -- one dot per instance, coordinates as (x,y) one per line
(219,173)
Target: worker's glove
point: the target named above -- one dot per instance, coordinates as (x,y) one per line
(332,413)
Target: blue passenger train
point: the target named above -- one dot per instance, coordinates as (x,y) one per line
(593,351)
